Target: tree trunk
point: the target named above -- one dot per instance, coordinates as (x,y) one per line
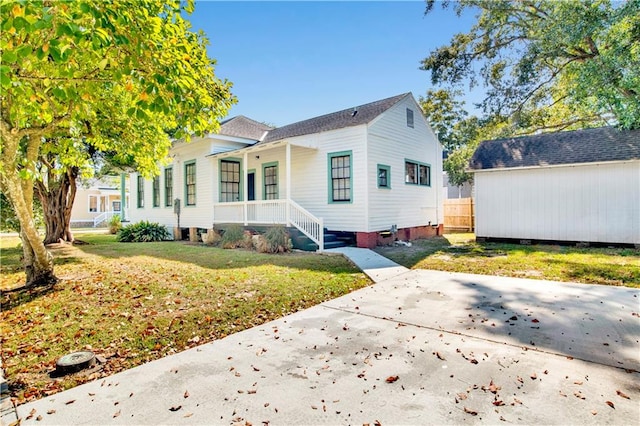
(57,198)
(37,260)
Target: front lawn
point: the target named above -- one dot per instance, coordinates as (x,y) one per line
(134,302)
(460,253)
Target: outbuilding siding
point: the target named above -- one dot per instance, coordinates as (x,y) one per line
(597,202)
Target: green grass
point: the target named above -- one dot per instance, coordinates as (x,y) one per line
(460,253)
(135,302)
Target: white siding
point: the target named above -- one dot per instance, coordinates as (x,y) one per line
(594,203)
(199,215)
(390,142)
(310,178)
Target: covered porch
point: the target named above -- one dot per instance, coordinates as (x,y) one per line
(275,208)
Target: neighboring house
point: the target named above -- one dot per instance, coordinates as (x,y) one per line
(452,191)
(370,171)
(95,205)
(578,186)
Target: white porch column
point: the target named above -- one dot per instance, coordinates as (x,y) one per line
(245,185)
(287,165)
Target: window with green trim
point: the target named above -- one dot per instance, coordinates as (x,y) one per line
(140,192)
(156,191)
(417,173)
(168,187)
(190,183)
(384,176)
(270,179)
(340,178)
(229,181)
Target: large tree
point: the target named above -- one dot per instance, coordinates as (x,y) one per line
(113,75)
(545,65)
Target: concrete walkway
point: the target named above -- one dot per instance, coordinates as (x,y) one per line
(375,266)
(423,347)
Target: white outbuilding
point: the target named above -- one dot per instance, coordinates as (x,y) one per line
(574,186)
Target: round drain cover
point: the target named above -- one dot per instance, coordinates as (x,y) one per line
(75,361)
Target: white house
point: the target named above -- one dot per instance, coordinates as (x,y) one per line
(578,186)
(95,204)
(372,171)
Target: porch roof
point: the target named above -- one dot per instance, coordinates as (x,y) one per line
(310,144)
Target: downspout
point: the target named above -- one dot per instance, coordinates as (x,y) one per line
(438,182)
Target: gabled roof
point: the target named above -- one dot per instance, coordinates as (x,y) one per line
(336,120)
(573,147)
(243,127)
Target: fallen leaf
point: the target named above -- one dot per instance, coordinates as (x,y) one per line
(519,379)
(534,376)
(594,412)
(392,379)
(610,404)
(577,382)
(175,408)
(70,402)
(498,403)
(514,318)
(31,414)
(251,391)
(440,356)
(473,361)
(186,394)
(462,396)
(188,415)
(622,394)
(578,394)
(117,413)
(535,321)
(472,412)
(39,418)
(51,412)
(493,388)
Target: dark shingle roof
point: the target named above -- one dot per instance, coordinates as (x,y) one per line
(243,127)
(579,146)
(335,120)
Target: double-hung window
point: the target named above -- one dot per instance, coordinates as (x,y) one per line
(140,192)
(229,181)
(190,183)
(270,176)
(156,191)
(417,173)
(340,177)
(168,187)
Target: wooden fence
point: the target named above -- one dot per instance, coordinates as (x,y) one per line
(459,214)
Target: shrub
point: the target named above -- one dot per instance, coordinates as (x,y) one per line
(233,237)
(275,240)
(115,224)
(211,237)
(142,232)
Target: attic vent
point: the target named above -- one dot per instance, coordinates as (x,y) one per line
(355,111)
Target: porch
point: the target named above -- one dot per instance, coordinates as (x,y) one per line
(283,212)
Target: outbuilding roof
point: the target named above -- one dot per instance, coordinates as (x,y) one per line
(336,120)
(572,147)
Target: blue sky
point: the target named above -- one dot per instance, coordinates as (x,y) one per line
(290,61)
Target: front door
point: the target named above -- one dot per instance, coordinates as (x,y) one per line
(251,186)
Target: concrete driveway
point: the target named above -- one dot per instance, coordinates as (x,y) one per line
(423,347)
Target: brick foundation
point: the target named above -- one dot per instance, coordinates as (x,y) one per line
(372,239)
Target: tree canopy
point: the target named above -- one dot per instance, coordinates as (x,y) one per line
(548,64)
(84,76)
(545,65)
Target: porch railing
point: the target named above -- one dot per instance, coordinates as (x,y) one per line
(104,217)
(282,212)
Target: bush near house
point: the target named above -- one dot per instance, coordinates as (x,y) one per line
(115,224)
(143,232)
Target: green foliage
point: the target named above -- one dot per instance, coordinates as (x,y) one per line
(275,240)
(234,237)
(142,232)
(548,65)
(9,221)
(115,224)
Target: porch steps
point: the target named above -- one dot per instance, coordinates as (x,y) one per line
(331,240)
